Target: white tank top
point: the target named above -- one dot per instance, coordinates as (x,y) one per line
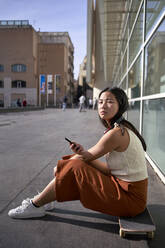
(129,165)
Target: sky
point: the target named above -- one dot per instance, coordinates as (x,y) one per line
(53,16)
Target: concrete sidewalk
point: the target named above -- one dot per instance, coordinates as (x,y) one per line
(31,143)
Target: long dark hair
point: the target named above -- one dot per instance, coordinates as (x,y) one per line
(122,100)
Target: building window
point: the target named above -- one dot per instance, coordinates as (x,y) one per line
(1,68)
(18,84)
(1,84)
(58,82)
(1,103)
(18,68)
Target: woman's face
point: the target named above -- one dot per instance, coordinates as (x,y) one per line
(107,106)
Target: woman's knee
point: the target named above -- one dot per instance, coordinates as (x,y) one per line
(55,169)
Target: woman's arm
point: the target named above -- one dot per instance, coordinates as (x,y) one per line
(97,164)
(109,142)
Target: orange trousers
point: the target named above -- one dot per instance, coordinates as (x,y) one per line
(77,180)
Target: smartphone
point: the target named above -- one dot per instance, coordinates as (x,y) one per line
(68,140)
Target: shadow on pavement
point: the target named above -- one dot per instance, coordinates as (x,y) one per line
(85,214)
(106,227)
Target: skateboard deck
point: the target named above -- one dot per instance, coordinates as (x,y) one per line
(140,224)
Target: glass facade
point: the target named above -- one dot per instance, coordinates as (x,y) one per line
(142,72)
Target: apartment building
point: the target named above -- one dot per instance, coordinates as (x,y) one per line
(18,63)
(55,61)
(26,57)
(127,41)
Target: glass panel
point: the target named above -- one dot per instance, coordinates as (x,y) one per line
(1,101)
(25,22)
(123,85)
(154,79)
(124,65)
(153,130)
(120,73)
(17,22)
(18,84)
(134,113)
(3,22)
(135,79)
(18,68)
(14,84)
(154,11)
(125,40)
(136,38)
(10,22)
(133,12)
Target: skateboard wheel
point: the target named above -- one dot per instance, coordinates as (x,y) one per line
(150,235)
(122,233)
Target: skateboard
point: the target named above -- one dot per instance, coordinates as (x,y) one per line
(140,224)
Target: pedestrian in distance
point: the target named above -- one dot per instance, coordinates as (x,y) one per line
(24,103)
(18,102)
(95,103)
(90,101)
(81,103)
(64,104)
(116,187)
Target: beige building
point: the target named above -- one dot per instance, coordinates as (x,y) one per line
(25,55)
(87,87)
(83,73)
(18,60)
(55,61)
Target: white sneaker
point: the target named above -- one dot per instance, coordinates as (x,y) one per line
(49,206)
(26,210)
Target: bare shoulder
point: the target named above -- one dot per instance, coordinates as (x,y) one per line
(114,135)
(121,140)
(116,132)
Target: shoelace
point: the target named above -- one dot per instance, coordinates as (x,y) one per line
(24,204)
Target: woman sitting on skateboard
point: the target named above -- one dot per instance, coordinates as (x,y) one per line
(116,187)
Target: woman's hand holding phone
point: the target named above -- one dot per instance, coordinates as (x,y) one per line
(76,148)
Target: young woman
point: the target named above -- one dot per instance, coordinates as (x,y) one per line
(118,186)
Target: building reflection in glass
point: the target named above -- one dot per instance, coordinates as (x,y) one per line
(154,79)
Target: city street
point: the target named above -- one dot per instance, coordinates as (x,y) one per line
(32,142)
(30,145)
